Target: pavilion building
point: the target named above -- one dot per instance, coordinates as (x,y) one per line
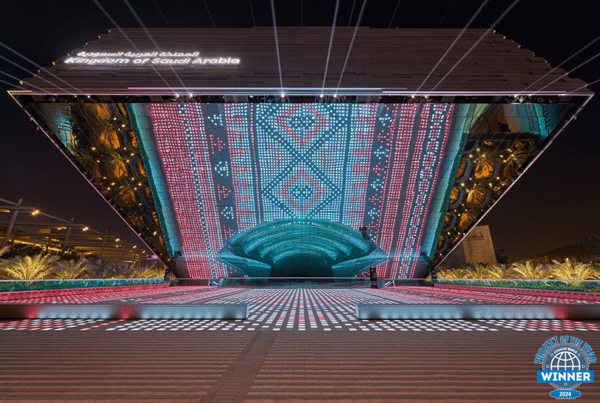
(218,144)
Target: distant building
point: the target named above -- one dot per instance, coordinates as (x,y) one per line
(587,251)
(477,247)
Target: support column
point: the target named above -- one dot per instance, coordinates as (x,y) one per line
(103,243)
(11,225)
(68,235)
(123,253)
(430,269)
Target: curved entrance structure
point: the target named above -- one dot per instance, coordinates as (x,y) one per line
(300,248)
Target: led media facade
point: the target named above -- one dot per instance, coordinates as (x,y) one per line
(198,148)
(192,176)
(230,167)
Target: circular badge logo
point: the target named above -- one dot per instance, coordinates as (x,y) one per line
(565,357)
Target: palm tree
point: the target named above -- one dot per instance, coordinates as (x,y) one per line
(528,272)
(3,262)
(72,269)
(501,271)
(30,268)
(453,274)
(573,271)
(149,272)
(478,271)
(112,269)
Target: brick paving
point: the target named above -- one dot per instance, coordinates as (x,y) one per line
(297,346)
(269,366)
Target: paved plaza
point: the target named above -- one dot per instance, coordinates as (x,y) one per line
(297,345)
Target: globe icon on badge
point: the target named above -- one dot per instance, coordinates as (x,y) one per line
(565,361)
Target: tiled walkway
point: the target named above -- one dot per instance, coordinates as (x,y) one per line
(276,367)
(305,310)
(297,345)
(172,294)
(322,324)
(314,296)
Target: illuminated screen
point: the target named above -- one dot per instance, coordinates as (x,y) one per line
(232,185)
(230,167)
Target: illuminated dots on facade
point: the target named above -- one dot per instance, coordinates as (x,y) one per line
(231,168)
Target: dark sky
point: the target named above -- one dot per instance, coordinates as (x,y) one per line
(553,204)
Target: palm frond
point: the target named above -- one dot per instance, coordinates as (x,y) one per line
(574,271)
(72,269)
(501,271)
(529,272)
(4,250)
(477,271)
(149,272)
(453,274)
(30,268)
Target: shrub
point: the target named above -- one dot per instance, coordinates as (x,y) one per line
(573,271)
(529,272)
(149,271)
(30,268)
(72,269)
(112,269)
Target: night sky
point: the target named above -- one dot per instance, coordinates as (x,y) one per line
(555,203)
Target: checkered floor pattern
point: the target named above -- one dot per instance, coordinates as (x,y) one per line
(353,325)
(427,295)
(112,296)
(397,295)
(305,310)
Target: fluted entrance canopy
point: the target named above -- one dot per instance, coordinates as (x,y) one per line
(302,247)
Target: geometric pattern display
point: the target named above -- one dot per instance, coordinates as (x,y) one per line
(311,309)
(190,176)
(230,167)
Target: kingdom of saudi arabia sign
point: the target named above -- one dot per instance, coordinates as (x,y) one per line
(191,59)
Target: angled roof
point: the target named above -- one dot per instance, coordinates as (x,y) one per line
(382,61)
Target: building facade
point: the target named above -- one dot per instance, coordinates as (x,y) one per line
(195,136)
